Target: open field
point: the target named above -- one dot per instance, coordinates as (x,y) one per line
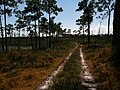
(26,69)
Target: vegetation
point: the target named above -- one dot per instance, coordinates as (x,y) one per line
(88,13)
(30,19)
(102,6)
(98,58)
(69,78)
(26,69)
(105,7)
(116,36)
(27,59)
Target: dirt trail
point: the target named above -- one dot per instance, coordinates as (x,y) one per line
(87,78)
(49,81)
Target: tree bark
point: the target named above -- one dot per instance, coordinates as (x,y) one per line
(116,34)
(109,24)
(39,28)
(88,29)
(31,41)
(49,29)
(2,35)
(5,24)
(83,35)
(19,35)
(35,36)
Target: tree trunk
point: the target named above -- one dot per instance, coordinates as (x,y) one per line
(83,35)
(99,29)
(2,35)
(109,25)
(5,25)
(49,30)
(35,36)
(116,34)
(88,29)
(31,41)
(19,36)
(39,33)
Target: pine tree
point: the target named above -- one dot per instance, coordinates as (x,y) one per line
(106,7)
(88,8)
(8,7)
(51,8)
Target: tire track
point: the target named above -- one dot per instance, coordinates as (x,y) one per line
(49,81)
(87,78)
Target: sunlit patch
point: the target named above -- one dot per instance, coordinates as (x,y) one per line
(87,78)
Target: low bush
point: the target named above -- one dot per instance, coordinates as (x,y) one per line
(101,67)
(28,68)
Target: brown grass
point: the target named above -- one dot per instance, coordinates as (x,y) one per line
(103,70)
(27,78)
(22,77)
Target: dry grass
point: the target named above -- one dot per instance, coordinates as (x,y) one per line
(26,78)
(103,70)
(69,78)
(30,73)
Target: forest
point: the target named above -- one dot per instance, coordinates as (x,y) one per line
(37,53)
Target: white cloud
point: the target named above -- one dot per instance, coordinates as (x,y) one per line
(103,29)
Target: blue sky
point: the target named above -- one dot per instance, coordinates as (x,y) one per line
(69,16)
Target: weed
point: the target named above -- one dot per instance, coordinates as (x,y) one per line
(27,68)
(69,78)
(97,58)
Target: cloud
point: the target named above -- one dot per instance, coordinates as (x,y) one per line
(102,30)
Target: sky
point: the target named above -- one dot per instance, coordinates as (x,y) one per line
(69,16)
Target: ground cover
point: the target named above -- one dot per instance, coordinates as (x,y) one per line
(26,69)
(69,78)
(98,58)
